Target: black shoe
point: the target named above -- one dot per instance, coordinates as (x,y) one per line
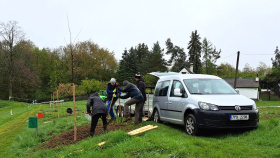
(91,134)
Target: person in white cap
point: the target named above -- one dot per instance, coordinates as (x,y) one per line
(111,90)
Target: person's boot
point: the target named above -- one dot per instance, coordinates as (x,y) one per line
(105,128)
(127,119)
(91,134)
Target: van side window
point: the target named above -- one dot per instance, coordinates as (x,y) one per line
(162,88)
(177,86)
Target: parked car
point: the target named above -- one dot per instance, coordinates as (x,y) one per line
(103,95)
(148,106)
(201,101)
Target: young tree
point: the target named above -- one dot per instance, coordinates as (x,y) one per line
(276,61)
(178,56)
(11,34)
(194,47)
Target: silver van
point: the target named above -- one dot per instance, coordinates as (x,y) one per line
(200,101)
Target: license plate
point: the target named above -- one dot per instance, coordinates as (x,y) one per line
(239,117)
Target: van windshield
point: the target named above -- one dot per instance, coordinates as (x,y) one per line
(208,86)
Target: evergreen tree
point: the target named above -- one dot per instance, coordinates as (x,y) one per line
(141,53)
(210,56)
(276,61)
(195,52)
(127,66)
(154,61)
(178,56)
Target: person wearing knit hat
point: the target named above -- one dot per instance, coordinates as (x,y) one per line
(136,98)
(111,90)
(141,87)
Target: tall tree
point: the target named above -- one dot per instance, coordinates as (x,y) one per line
(276,61)
(178,56)
(128,65)
(11,34)
(210,56)
(194,47)
(141,52)
(154,61)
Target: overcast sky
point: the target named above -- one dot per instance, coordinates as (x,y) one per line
(248,26)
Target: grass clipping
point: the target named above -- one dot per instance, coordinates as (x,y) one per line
(136,131)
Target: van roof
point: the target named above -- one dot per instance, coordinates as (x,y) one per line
(189,76)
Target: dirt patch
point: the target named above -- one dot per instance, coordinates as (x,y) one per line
(67,138)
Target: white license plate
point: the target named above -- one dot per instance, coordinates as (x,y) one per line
(239,117)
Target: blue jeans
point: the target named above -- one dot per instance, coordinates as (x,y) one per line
(111,110)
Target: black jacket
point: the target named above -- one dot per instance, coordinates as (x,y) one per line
(96,105)
(132,91)
(141,87)
(110,89)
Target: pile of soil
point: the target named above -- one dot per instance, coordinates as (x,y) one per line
(67,138)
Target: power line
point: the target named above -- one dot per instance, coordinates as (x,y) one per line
(257,54)
(228,56)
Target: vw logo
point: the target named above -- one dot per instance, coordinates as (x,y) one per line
(237,108)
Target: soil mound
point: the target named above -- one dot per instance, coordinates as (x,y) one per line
(67,138)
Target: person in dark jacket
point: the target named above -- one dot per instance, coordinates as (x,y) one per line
(141,87)
(112,94)
(136,98)
(96,108)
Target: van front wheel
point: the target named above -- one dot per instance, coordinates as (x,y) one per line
(156,116)
(191,125)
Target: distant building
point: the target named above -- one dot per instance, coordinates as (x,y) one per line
(186,70)
(246,86)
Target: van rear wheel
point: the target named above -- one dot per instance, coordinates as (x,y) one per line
(191,125)
(156,116)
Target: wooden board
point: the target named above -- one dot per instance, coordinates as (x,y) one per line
(136,131)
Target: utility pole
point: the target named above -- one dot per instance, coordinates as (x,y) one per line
(236,69)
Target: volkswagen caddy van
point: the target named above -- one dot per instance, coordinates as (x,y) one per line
(200,101)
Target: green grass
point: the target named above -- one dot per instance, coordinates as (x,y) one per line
(165,141)
(267,103)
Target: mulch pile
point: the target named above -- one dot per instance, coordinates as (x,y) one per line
(67,138)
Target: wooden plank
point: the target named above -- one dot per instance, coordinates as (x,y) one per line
(144,131)
(135,132)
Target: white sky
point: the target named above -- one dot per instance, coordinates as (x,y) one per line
(248,26)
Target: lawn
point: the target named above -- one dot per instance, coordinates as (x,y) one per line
(165,141)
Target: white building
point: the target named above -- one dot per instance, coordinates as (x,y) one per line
(246,86)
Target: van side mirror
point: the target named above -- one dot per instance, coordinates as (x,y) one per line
(177,92)
(237,91)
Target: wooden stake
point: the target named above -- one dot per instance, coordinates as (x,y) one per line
(57,104)
(120,107)
(75,121)
(53,99)
(110,106)
(148,103)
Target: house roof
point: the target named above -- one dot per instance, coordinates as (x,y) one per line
(243,82)
(186,69)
